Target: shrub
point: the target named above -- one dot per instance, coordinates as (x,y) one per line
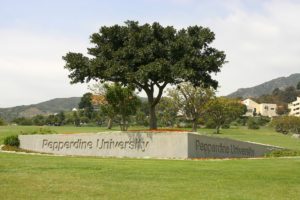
(253,123)
(12,140)
(2,122)
(226,126)
(263,120)
(210,124)
(287,124)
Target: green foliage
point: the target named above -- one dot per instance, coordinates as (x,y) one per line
(86,105)
(253,123)
(23,121)
(241,121)
(148,56)
(222,111)
(39,120)
(298,86)
(122,101)
(12,140)
(52,106)
(166,112)
(2,122)
(76,119)
(283,153)
(191,101)
(286,124)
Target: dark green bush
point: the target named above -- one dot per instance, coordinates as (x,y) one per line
(2,122)
(253,123)
(12,140)
(226,126)
(210,124)
(286,124)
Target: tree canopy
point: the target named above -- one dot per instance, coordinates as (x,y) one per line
(191,101)
(148,57)
(222,110)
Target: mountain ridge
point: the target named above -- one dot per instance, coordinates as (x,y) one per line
(44,108)
(267,87)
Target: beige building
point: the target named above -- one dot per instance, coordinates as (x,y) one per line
(295,107)
(264,109)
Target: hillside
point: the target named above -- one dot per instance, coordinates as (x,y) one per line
(44,108)
(267,87)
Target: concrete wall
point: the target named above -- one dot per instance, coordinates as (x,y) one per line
(128,144)
(201,146)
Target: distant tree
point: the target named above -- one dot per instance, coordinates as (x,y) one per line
(76,119)
(298,86)
(191,101)
(289,95)
(222,111)
(276,91)
(122,101)
(23,121)
(166,112)
(39,120)
(286,124)
(282,109)
(61,118)
(148,57)
(86,104)
(2,122)
(253,123)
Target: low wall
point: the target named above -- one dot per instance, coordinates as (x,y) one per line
(180,145)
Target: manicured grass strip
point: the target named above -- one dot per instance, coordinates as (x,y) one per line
(49,177)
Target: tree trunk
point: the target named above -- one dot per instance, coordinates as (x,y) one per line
(218,129)
(194,125)
(109,123)
(153,119)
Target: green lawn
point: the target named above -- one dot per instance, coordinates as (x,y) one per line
(49,177)
(55,177)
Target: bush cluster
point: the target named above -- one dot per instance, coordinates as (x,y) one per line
(253,123)
(12,140)
(286,124)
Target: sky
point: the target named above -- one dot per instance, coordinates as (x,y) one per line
(261,39)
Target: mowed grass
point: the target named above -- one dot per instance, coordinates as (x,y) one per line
(57,177)
(265,135)
(53,177)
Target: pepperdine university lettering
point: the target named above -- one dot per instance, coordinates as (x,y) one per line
(224,149)
(135,144)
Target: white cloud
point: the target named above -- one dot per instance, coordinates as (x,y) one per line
(31,67)
(259,46)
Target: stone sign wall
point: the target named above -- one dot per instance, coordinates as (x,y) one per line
(137,144)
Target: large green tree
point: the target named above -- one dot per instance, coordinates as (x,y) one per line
(148,57)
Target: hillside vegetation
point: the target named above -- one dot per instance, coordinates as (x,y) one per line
(267,87)
(44,108)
